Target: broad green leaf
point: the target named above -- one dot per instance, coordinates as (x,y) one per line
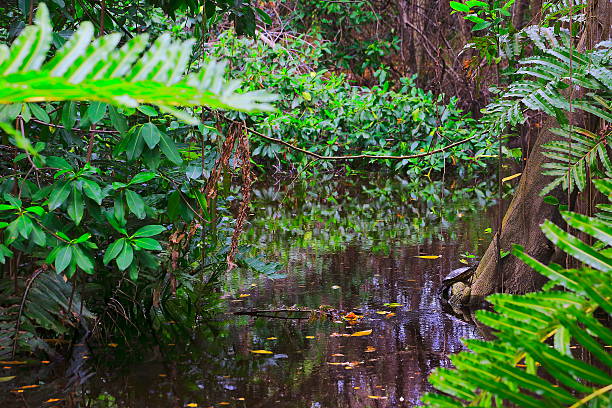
(135,203)
(149,231)
(113,250)
(169,149)
(455,5)
(58,163)
(150,134)
(96,111)
(142,177)
(92,190)
(63,258)
(58,195)
(36,210)
(135,145)
(147,243)
(24,225)
(117,120)
(39,113)
(147,110)
(75,204)
(125,257)
(83,260)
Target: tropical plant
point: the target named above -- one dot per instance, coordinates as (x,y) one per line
(537,358)
(103,198)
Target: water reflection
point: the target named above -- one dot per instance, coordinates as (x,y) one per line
(367,267)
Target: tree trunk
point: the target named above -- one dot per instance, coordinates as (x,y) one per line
(527,211)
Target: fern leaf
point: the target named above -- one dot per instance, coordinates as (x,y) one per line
(95,70)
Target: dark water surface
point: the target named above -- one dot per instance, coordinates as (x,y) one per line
(356,259)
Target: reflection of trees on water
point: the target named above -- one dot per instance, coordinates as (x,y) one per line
(214,364)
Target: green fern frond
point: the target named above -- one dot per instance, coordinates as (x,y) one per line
(96,70)
(573,157)
(503,372)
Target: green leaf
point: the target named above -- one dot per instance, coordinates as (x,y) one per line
(147,243)
(455,5)
(150,134)
(24,225)
(117,120)
(39,113)
(135,145)
(58,195)
(592,226)
(135,203)
(96,111)
(75,205)
(169,149)
(83,261)
(63,258)
(142,177)
(149,231)
(92,190)
(36,210)
(69,115)
(38,236)
(147,110)
(58,163)
(576,248)
(113,250)
(126,257)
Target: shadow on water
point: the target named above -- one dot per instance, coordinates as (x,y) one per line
(344,247)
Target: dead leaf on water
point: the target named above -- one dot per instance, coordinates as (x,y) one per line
(389,315)
(13,362)
(393,304)
(356,388)
(463,261)
(243,295)
(376,397)
(5,379)
(428,256)
(25,387)
(112,344)
(362,333)
(310,337)
(382,312)
(370,349)
(53,400)
(261,352)
(337,355)
(271,338)
(191,404)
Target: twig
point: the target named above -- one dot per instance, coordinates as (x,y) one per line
(359,156)
(35,275)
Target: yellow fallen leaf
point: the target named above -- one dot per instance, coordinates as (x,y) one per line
(428,256)
(5,379)
(370,349)
(224,403)
(511,177)
(53,400)
(356,388)
(376,397)
(112,344)
(25,387)
(382,312)
(13,362)
(191,404)
(243,295)
(463,261)
(337,355)
(45,362)
(261,352)
(393,305)
(389,315)
(271,338)
(362,333)
(310,337)
(241,399)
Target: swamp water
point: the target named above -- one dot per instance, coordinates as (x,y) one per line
(343,247)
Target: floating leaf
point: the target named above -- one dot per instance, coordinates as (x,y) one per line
(271,338)
(393,304)
(389,315)
(428,256)
(310,337)
(376,397)
(261,352)
(370,349)
(5,379)
(243,295)
(362,333)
